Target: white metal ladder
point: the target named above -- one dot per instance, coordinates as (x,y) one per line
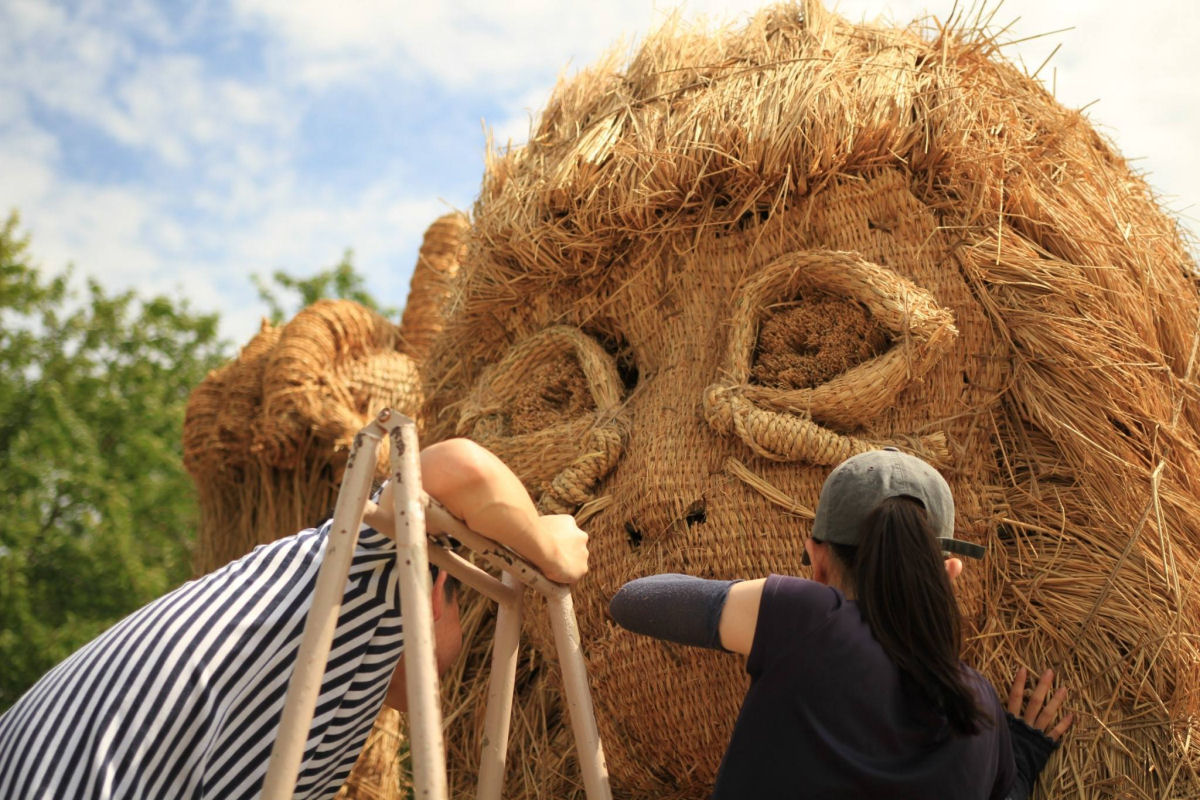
(420,521)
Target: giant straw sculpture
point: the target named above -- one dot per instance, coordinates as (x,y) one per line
(720,268)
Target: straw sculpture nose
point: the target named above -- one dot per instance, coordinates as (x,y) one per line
(668,479)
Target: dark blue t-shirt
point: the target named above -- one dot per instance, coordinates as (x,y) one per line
(827,715)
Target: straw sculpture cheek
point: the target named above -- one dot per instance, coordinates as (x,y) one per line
(784,405)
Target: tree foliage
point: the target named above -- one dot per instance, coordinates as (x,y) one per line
(97,514)
(340,281)
(96,511)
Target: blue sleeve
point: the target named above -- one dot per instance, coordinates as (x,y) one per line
(677,608)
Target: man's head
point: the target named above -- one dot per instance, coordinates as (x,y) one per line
(447,625)
(447,635)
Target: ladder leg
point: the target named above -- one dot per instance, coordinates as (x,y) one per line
(304,686)
(501,685)
(579,696)
(426,745)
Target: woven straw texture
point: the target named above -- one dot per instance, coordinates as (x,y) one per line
(720,268)
(266,436)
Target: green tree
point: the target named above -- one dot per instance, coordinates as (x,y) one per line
(96,511)
(340,281)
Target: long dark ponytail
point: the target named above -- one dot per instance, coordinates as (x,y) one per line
(904,594)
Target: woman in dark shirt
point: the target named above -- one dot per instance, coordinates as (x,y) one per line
(857,688)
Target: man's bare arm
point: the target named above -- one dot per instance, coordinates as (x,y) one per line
(478,488)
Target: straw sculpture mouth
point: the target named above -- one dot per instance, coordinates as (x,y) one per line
(801,424)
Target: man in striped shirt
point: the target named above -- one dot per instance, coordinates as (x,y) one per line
(183,697)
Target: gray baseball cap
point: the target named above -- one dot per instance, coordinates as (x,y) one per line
(862,482)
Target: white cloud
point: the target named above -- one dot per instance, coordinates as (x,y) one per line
(107,228)
(34,16)
(470,43)
(89,67)
(171,107)
(22,143)
(381,225)
(26,154)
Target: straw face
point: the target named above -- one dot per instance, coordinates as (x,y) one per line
(668,501)
(748,254)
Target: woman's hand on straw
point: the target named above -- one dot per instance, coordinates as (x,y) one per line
(1039,712)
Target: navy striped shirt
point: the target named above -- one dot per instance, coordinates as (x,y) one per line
(183,697)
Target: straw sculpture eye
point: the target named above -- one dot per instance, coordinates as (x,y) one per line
(821,343)
(551,409)
(812,339)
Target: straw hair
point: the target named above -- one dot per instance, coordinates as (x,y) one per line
(992,289)
(432,283)
(266,436)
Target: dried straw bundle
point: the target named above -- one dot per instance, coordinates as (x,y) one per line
(993,288)
(266,435)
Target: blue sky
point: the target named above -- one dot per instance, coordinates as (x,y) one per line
(181,147)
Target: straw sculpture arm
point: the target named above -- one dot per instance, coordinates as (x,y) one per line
(476,486)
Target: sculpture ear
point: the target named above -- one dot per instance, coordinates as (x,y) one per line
(551,410)
(334,367)
(433,278)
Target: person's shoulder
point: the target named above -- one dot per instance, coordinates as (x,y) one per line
(800,604)
(984,690)
(298,548)
(301,540)
(790,611)
(975,677)
(794,590)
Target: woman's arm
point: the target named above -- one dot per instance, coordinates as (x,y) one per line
(740,617)
(688,610)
